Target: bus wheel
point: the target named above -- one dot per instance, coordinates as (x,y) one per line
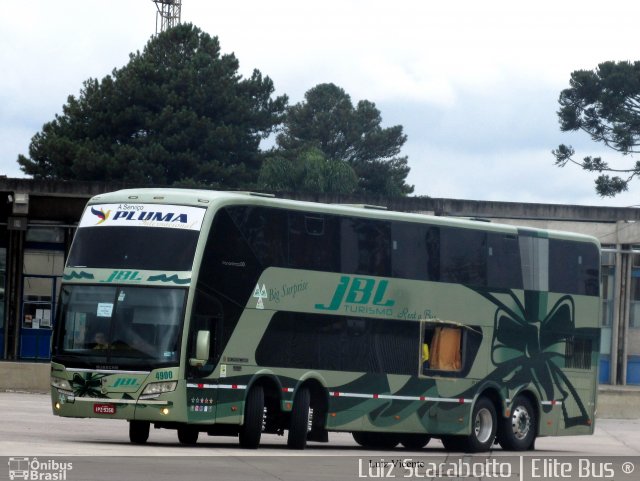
(299,426)
(251,430)
(188,435)
(138,432)
(484,427)
(414,441)
(376,440)
(518,431)
(454,443)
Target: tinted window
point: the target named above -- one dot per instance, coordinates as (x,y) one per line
(342,344)
(265,232)
(463,256)
(503,262)
(313,242)
(365,246)
(415,251)
(134,248)
(228,275)
(330,243)
(574,267)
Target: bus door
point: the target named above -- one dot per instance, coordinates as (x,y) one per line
(447,352)
(204,330)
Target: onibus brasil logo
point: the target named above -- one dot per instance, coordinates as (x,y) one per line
(33,469)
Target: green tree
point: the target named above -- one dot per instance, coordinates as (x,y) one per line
(308,171)
(605,103)
(179,113)
(328,121)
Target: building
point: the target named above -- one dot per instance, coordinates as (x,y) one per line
(38,220)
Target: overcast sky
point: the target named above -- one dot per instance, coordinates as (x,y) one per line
(474,83)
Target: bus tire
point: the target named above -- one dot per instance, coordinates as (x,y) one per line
(188,435)
(484,425)
(376,440)
(414,441)
(518,431)
(299,423)
(251,430)
(454,443)
(139,431)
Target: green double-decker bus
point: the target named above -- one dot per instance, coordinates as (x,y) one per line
(238,314)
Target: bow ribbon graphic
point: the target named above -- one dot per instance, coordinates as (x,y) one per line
(529,345)
(88,386)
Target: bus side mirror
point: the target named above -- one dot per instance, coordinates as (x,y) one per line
(203,344)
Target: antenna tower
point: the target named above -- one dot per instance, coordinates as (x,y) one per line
(168,14)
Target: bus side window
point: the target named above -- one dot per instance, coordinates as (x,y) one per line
(442,349)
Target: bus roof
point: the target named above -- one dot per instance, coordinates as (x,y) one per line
(216,199)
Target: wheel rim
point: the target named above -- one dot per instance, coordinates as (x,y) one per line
(520,422)
(483,425)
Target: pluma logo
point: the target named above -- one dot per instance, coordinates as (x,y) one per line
(100,214)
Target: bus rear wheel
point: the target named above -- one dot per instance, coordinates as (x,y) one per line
(454,443)
(188,435)
(299,426)
(484,426)
(251,430)
(414,441)
(518,431)
(139,431)
(376,440)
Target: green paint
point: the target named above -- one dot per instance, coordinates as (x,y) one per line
(164,278)
(360,291)
(124,276)
(77,275)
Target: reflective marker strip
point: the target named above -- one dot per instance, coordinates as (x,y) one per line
(217,386)
(365,396)
(400,398)
(544,403)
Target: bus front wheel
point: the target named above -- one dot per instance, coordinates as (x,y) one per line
(518,431)
(138,432)
(188,435)
(299,426)
(251,430)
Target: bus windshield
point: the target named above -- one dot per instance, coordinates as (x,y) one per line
(120,327)
(130,248)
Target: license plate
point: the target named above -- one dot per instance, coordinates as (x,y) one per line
(104,409)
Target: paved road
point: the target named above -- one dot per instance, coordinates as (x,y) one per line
(28,429)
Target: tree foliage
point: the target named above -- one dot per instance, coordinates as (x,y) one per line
(179,113)
(308,171)
(605,103)
(327,121)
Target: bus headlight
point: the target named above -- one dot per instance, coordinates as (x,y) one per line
(156,388)
(61,384)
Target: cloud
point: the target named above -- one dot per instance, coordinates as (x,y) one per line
(475,84)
